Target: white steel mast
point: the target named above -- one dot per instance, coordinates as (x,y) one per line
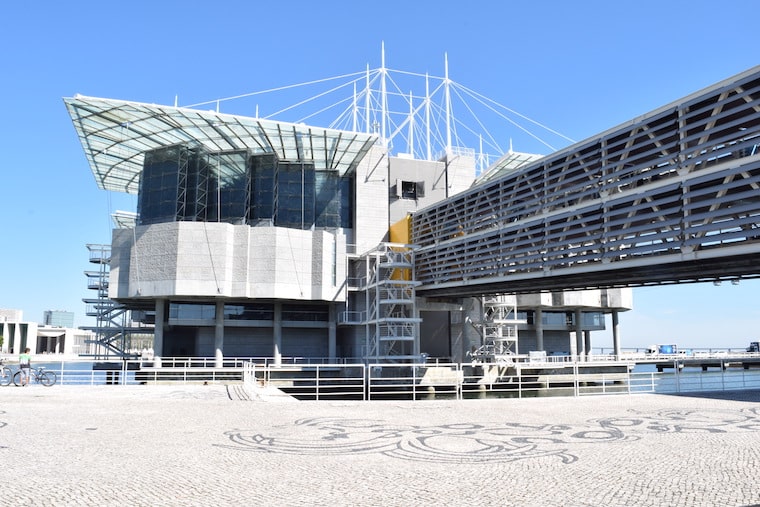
(448,103)
(383,96)
(355,112)
(368,96)
(411,124)
(427,116)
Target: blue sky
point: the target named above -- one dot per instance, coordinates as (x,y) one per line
(578,67)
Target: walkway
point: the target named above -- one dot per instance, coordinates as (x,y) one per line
(217,445)
(670,196)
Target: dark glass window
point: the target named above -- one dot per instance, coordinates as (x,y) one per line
(192,311)
(327,200)
(159,184)
(408,190)
(305,313)
(227,196)
(263,169)
(182,183)
(249,311)
(295,195)
(346,202)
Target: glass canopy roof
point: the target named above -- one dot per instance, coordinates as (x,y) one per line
(115,134)
(510,162)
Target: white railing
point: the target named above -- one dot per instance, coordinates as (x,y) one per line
(302,379)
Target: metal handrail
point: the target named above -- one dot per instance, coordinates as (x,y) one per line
(432,379)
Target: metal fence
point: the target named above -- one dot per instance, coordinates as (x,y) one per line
(359,381)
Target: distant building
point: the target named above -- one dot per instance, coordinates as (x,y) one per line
(11,315)
(41,339)
(58,318)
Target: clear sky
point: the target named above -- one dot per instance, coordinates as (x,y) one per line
(579,67)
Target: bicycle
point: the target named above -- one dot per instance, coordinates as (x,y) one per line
(6,374)
(40,375)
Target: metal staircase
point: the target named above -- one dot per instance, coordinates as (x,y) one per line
(392,325)
(112,328)
(498,328)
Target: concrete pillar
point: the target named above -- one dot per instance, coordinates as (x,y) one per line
(615,334)
(587,342)
(277,334)
(538,321)
(416,342)
(219,334)
(573,345)
(158,334)
(332,334)
(580,348)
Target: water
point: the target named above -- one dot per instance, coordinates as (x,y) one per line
(693,379)
(82,373)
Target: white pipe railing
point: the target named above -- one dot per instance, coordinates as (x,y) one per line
(434,379)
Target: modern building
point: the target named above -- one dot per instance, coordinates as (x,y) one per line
(18,334)
(261,238)
(58,318)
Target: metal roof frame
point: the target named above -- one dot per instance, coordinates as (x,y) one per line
(115,135)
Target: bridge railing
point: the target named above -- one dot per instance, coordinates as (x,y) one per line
(618,209)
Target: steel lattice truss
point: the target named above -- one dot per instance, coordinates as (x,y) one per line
(499,327)
(671,197)
(392,317)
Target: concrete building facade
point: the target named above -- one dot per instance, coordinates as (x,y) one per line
(256,238)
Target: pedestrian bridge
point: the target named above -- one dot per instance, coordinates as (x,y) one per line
(670,197)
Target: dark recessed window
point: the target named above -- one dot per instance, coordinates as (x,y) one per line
(412,189)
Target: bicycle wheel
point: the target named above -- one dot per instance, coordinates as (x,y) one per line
(6,375)
(17,378)
(47,378)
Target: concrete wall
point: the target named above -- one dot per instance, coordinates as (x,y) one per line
(218,259)
(371,205)
(621,299)
(441,179)
(461,172)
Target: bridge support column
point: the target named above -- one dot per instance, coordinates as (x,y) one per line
(615,334)
(158,332)
(332,334)
(580,350)
(277,334)
(538,318)
(219,335)
(587,342)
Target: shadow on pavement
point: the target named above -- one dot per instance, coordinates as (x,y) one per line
(752,395)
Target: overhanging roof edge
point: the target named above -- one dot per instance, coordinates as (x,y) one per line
(115,134)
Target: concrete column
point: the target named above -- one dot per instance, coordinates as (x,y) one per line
(573,346)
(615,334)
(416,343)
(277,334)
(581,349)
(538,321)
(158,334)
(587,342)
(219,335)
(332,333)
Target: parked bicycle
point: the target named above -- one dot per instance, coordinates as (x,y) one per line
(41,375)
(6,374)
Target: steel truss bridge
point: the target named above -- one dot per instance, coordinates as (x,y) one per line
(670,197)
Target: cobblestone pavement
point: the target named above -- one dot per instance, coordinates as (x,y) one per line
(210,445)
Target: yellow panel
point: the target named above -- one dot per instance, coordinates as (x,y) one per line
(400,232)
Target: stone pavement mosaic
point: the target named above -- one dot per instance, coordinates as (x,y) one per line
(219,445)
